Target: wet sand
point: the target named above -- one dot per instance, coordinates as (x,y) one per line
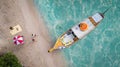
(31,54)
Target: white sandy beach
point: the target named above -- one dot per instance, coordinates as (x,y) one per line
(31,54)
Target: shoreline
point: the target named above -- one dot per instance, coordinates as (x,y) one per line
(40,55)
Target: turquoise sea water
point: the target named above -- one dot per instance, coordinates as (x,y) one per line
(100,48)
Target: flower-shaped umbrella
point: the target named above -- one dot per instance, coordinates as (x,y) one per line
(18,40)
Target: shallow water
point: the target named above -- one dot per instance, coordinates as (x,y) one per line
(100,48)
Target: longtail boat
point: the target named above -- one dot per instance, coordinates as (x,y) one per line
(78,31)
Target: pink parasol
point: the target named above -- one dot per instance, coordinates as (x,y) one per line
(18,40)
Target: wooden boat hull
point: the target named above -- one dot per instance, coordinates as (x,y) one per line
(77,32)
